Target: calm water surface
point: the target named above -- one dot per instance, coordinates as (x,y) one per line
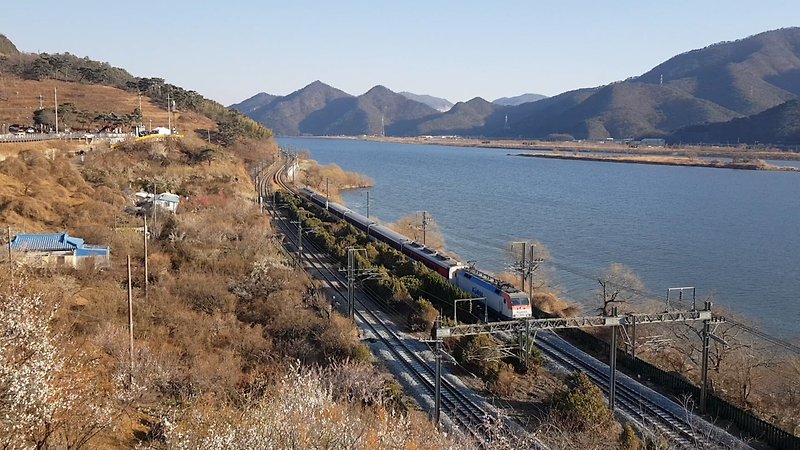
(734,234)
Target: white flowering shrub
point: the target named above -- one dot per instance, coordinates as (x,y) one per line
(302,413)
(28,365)
(51,394)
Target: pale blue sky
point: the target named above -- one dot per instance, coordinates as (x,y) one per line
(458,50)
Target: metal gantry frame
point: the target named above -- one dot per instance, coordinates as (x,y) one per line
(525,326)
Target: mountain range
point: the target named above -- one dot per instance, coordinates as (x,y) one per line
(718,83)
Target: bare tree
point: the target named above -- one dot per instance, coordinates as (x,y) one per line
(618,284)
(420,229)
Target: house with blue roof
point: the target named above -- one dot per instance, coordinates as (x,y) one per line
(59,249)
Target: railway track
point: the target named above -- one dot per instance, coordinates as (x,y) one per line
(681,427)
(462,411)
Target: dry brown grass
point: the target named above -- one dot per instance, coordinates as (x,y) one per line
(19,99)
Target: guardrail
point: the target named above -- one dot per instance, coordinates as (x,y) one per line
(36,137)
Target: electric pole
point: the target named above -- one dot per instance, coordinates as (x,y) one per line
(146,270)
(327,192)
(367,204)
(612,379)
(351,278)
(130,326)
(55,100)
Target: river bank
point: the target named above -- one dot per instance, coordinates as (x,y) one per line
(735,163)
(689,151)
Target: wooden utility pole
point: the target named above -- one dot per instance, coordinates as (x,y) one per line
(146,271)
(130,325)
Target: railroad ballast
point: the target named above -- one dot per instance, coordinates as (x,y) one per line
(502,298)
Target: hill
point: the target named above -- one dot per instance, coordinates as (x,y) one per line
(253,103)
(7,48)
(778,125)
(439,104)
(746,76)
(284,114)
(713,84)
(377,112)
(94,95)
(464,118)
(518,100)
(221,317)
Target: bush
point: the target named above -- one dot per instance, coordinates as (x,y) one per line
(628,439)
(582,406)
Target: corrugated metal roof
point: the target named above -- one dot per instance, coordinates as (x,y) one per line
(44,242)
(52,242)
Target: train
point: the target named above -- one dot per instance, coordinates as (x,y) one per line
(502,298)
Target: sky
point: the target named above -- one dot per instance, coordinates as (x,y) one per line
(458,50)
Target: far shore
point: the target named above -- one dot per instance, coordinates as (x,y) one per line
(736,163)
(689,151)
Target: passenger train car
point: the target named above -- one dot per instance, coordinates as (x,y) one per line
(501,297)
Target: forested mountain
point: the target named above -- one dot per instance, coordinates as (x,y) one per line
(376,112)
(713,84)
(778,125)
(285,114)
(746,76)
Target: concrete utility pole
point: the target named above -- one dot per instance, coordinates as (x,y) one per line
(526,265)
(612,364)
(55,100)
(130,326)
(367,204)
(705,335)
(438,386)
(169,114)
(146,270)
(327,193)
(351,278)
(424,225)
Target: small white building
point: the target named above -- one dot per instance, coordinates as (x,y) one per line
(164,200)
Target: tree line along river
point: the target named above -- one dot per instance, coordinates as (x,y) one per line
(733,234)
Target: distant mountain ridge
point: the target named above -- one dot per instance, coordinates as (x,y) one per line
(717,83)
(519,99)
(253,103)
(439,104)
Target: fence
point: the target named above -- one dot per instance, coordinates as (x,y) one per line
(744,420)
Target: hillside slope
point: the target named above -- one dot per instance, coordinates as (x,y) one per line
(7,48)
(746,76)
(778,125)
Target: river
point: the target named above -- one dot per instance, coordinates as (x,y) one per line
(733,234)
